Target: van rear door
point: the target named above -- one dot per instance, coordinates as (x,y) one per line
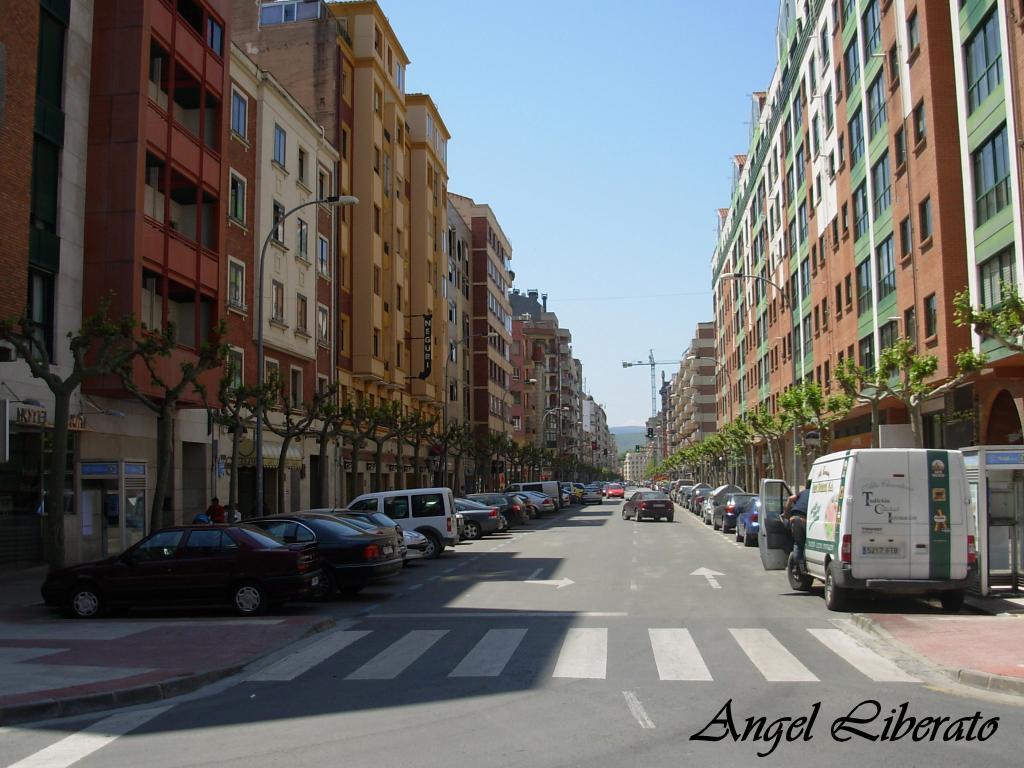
(880,513)
(938,535)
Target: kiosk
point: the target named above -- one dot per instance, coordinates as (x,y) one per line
(113,505)
(995,476)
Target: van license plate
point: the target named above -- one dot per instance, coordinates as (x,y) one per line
(881,551)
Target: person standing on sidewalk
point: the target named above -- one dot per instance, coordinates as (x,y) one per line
(215,512)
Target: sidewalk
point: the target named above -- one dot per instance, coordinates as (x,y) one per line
(984,651)
(51,666)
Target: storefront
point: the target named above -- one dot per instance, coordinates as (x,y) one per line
(995,476)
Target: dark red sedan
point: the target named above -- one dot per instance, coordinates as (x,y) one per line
(236,565)
(654,504)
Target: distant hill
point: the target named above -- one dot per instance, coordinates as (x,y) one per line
(627,438)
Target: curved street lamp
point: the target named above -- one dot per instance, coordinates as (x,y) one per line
(333,201)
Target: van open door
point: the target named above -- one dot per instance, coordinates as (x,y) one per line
(774,542)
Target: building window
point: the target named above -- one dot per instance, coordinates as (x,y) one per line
(802,222)
(872,29)
(864,286)
(376,219)
(995,274)
(301,314)
(323,184)
(236,284)
(376,281)
(278,302)
(272,374)
(888,334)
(323,256)
(280,146)
(852,62)
(906,238)
(805,280)
(295,388)
(881,185)
(239,113)
(278,222)
(236,368)
(913,33)
(860,212)
(376,342)
(894,66)
(920,124)
(378,100)
(303,164)
(829,111)
(323,324)
(910,325)
(856,137)
(236,198)
(876,106)
(885,267)
(901,147)
(215,35)
(984,60)
(867,353)
(924,215)
(302,240)
(990,166)
(40,312)
(931,316)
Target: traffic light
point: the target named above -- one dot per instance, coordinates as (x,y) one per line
(650,433)
(637,448)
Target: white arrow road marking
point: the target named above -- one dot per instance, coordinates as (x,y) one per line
(637,709)
(78,746)
(556,583)
(708,574)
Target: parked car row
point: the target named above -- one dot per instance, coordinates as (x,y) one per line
(264,562)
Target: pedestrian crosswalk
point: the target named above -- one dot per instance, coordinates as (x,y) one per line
(582,653)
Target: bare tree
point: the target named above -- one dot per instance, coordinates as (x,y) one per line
(99,348)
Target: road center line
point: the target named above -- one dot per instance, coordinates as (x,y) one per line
(78,746)
(637,710)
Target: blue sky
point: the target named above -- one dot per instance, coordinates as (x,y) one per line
(601,134)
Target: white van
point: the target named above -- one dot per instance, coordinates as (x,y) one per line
(548,487)
(890,520)
(430,511)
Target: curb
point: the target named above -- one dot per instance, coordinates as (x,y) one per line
(971,677)
(49,709)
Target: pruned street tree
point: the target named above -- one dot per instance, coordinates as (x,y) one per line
(101,347)
(770,427)
(333,415)
(1003,323)
(806,406)
(866,386)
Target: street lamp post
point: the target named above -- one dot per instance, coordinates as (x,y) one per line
(331,200)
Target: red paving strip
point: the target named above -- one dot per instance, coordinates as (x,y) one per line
(990,644)
(104,686)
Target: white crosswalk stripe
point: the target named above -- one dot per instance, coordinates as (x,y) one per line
(864,660)
(393,660)
(489,657)
(676,655)
(771,657)
(294,664)
(584,654)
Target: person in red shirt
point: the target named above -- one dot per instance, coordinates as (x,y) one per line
(215,512)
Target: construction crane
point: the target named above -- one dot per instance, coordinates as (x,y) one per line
(654,384)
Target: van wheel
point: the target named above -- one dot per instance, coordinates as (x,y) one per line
(952,601)
(836,598)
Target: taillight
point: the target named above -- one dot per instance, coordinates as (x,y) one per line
(448,523)
(730,506)
(846,552)
(643,505)
(494,512)
(972,552)
(371,552)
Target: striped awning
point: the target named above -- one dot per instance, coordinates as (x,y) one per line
(271,454)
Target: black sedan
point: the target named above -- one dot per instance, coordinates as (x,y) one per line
(654,504)
(351,555)
(238,565)
(368,520)
(507,505)
(480,518)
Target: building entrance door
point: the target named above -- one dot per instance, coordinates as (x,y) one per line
(1006,529)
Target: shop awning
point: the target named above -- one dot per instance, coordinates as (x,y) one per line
(271,454)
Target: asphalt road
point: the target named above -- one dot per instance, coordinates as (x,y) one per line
(584,640)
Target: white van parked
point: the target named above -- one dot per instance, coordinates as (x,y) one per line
(429,511)
(548,487)
(889,520)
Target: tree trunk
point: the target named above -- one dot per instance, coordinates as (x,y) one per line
(357,445)
(285,442)
(53,539)
(457,480)
(874,423)
(236,442)
(164,459)
(416,459)
(916,424)
(325,474)
(379,470)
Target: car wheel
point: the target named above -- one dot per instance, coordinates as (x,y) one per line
(748,540)
(434,547)
(249,599)
(952,601)
(715,526)
(836,598)
(671,518)
(737,532)
(85,602)
(328,585)
(472,530)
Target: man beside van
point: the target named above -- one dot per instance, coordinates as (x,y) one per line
(795,517)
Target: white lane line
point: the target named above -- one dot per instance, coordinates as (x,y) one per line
(78,746)
(303,660)
(770,656)
(489,657)
(535,574)
(637,710)
(471,614)
(393,660)
(584,654)
(861,658)
(677,656)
